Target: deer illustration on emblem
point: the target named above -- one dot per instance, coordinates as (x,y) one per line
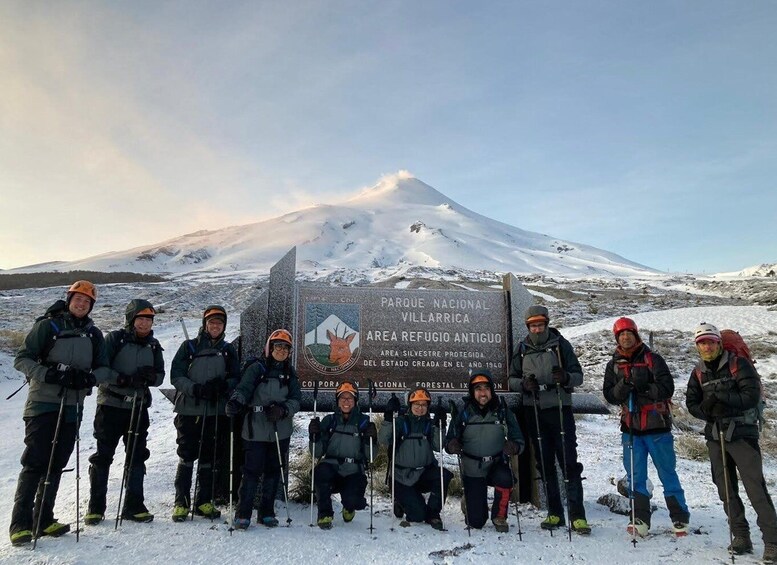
(339,347)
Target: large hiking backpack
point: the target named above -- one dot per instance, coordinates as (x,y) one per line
(737,348)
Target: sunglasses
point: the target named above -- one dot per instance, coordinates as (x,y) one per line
(282,346)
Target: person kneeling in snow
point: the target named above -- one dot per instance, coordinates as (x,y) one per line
(639,381)
(415,467)
(477,436)
(342,441)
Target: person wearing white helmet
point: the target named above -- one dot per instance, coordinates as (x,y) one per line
(724,390)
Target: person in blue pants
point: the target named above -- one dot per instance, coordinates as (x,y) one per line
(639,380)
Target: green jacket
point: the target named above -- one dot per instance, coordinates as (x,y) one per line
(263,383)
(60,338)
(197,361)
(127,354)
(417,440)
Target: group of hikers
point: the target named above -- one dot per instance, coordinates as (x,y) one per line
(64,356)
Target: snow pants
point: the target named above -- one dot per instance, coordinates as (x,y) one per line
(261,459)
(476,494)
(351,488)
(411,497)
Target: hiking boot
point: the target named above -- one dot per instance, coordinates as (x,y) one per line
(325,523)
(348,515)
(680,529)
(93,518)
(21,537)
(581,526)
(500,524)
(207,510)
(405,524)
(144,516)
(436,523)
(398,510)
(552,522)
(180,513)
(55,529)
(770,553)
(270,521)
(638,527)
(741,544)
(241,523)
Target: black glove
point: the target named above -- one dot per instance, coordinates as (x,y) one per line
(640,382)
(210,390)
(148,374)
(275,412)
(137,380)
(454,447)
(314,428)
(392,407)
(560,377)
(530,384)
(197,390)
(60,376)
(511,448)
(370,432)
(81,380)
(234,406)
(440,418)
(223,387)
(708,404)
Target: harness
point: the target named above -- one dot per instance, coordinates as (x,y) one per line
(661,407)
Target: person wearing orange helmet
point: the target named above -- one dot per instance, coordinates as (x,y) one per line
(342,442)
(63,357)
(415,467)
(204,371)
(639,381)
(269,395)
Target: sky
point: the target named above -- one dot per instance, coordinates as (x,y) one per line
(648,129)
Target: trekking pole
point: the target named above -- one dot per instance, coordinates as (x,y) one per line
(283,477)
(231,474)
(454,413)
(728,494)
(46,482)
(513,492)
(313,454)
(14,393)
(214,459)
(542,456)
(370,393)
(199,458)
(564,458)
(393,459)
(78,467)
(442,482)
(125,474)
(631,473)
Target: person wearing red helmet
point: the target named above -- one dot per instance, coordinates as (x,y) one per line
(639,381)
(63,357)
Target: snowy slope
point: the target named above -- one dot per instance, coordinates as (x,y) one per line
(204,542)
(399,223)
(762,270)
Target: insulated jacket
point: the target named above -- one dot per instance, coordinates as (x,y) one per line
(196,362)
(417,440)
(646,412)
(263,383)
(741,395)
(128,353)
(482,433)
(342,444)
(540,360)
(60,338)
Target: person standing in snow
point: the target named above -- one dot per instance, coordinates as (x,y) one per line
(546,370)
(724,390)
(63,357)
(342,442)
(204,371)
(136,359)
(269,390)
(484,435)
(415,468)
(639,381)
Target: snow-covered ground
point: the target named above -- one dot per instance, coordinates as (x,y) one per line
(204,542)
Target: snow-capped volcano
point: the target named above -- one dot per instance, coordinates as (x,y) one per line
(399,223)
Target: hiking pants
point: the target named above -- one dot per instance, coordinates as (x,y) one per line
(744,455)
(476,492)
(261,459)
(660,447)
(411,497)
(351,488)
